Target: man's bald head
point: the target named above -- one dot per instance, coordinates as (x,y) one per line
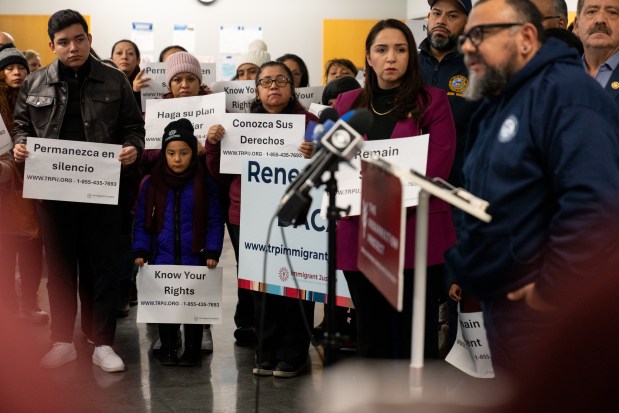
(554,13)
(5,38)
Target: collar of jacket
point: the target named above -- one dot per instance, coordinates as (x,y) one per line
(96,73)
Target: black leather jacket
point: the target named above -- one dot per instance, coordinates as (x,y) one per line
(109,111)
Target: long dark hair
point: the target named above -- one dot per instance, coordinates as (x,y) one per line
(135,47)
(292,107)
(412,99)
(135,72)
(167,49)
(302,66)
(8,101)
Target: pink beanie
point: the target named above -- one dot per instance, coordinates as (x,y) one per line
(181,62)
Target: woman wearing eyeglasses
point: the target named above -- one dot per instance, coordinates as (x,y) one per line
(402,107)
(284,345)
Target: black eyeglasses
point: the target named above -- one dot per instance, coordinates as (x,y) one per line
(476,34)
(280,81)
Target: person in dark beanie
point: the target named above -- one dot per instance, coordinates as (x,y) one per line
(78,98)
(337,86)
(9,55)
(16,248)
(179,201)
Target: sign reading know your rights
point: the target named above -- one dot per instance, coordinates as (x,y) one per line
(239,94)
(184,294)
(199,110)
(309,95)
(157,87)
(407,153)
(73,171)
(258,134)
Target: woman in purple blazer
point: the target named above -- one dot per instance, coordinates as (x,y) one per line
(402,107)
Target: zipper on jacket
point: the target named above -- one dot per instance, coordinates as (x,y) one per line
(177,228)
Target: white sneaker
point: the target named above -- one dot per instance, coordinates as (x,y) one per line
(107,359)
(61,353)
(207,341)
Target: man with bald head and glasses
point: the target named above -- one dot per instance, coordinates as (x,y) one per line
(554,13)
(543,150)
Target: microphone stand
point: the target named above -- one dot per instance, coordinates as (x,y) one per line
(332,339)
(338,143)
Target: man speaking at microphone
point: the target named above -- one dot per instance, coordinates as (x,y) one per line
(544,152)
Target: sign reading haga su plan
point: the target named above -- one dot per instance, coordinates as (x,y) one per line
(72,171)
(201,111)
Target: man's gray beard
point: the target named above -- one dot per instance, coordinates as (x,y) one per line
(490,84)
(442,43)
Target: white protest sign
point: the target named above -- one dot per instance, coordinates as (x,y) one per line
(419,27)
(6,143)
(264,182)
(258,134)
(309,95)
(157,86)
(72,171)
(407,153)
(316,108)
(179,294)
(198,109)
(239,94)
(471,352)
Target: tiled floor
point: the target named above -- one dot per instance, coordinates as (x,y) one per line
(224,382)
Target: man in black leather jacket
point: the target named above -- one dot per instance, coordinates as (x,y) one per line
(78,98)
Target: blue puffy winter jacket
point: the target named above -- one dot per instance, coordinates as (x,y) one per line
(173,245)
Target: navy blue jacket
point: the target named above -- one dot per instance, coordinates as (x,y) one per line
(612,87)
(451,75)
(546,156)
(161,248)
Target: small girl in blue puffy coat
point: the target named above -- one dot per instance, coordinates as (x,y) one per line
(179,221)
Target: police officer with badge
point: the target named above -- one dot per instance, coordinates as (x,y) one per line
(443,67)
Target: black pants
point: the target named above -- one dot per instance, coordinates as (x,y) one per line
(92,231)
(168,333)
(245,312)
(284,336)
(29,254)
(382,331)
(514,331)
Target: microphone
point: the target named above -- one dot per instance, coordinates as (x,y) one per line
(315,130)
(340,142)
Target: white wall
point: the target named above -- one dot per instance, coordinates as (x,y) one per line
(420,8)
(290,26)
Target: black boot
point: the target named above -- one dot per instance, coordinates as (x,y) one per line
(192,356)
(168,356)
(168,353)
